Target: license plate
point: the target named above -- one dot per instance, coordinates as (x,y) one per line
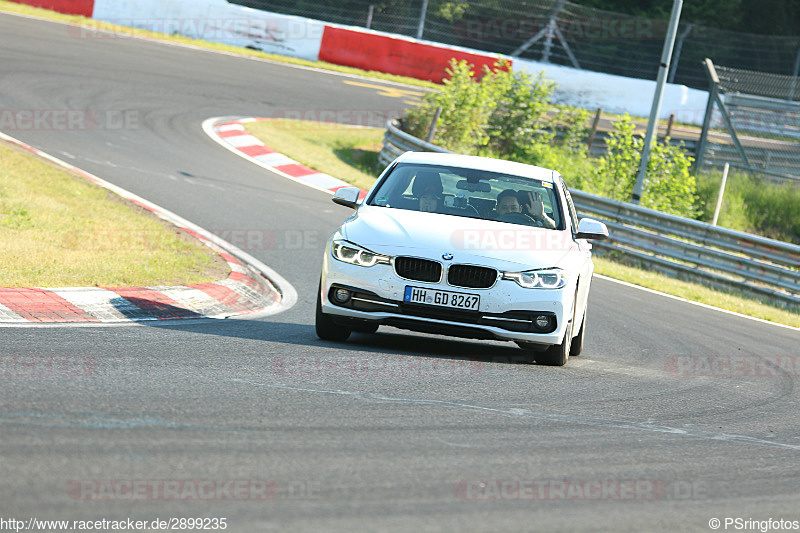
(454,300)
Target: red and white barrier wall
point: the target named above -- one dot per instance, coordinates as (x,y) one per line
(220,21)
(68,7)
(369,50)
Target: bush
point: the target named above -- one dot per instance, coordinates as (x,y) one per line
(466,107)
(504,114)
(519,118)
(668,185)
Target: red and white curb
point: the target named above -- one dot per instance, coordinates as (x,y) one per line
(233,135)
(251,289)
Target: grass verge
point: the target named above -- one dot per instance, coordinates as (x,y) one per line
(346,152)
(92,27)
(58,230)
(351,154)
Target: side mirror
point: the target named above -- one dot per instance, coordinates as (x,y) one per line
(591,229)
(347,196)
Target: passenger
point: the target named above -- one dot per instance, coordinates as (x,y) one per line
(508,202)
(429,201)
(428,188)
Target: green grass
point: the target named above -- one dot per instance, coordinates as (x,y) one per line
(752,205)
(345,152)
(696,292)
(351,153)
(93,25)
(59,230)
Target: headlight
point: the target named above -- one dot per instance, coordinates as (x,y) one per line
(551,278)
(347,252)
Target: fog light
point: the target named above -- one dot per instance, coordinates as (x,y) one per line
(341,295)
(543,322)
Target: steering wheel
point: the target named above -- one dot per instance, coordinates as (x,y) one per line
(517,218)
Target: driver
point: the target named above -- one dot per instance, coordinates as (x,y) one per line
(508,202)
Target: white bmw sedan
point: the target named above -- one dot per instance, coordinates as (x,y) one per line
(462,246)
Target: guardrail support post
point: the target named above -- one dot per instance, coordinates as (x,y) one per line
(432,129)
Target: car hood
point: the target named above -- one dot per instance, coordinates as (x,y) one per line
(485,242)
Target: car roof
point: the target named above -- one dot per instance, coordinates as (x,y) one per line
(479,163)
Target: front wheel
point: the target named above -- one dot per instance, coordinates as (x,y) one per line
(557,354)
(327,329)
(577,342)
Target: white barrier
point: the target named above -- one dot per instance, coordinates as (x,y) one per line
(218,21)
(618,94)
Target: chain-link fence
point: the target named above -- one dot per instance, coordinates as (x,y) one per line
(559,32)
(760,118)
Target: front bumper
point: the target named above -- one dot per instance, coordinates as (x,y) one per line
(506,312)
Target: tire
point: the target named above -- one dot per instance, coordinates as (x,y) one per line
(327,329)
(531,351)
(558,354)
(577,343)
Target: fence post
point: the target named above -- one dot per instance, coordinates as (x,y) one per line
(721,193)
(422,16)
(678,48)
(652,124)
(595,124)
(547,31)
(732,131)
(369,16)
(713,89)
(794,75)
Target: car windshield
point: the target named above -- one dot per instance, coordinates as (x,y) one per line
(469,192)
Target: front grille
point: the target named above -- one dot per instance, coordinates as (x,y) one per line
(473,277)
(417,269)
(519,321)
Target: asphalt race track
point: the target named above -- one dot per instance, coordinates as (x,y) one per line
(395,431)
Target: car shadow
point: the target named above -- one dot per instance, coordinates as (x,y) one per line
(385,341)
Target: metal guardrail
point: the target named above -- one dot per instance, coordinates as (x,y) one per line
(396,142)
(675,245)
